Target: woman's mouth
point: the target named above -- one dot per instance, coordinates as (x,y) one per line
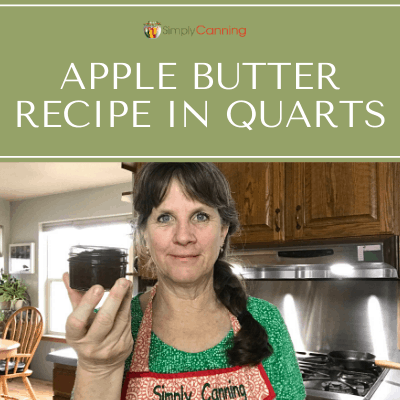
(184,257)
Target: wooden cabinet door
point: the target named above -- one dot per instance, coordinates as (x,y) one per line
(258,190)
(63,381)
(339,199)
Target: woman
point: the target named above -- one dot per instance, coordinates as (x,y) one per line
(197,318)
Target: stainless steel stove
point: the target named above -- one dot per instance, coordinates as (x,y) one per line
(323,380)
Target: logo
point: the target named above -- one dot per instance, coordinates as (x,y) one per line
(203,30)
(152,30)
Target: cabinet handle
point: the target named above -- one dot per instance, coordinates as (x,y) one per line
(277,221)
(298,226)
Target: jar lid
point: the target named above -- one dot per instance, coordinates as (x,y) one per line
(98,254)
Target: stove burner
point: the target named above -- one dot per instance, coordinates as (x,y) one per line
(336,387)
(319,373)
(359,377)
(358,388)
(315,358)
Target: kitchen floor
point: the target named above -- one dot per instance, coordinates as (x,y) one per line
(42,389)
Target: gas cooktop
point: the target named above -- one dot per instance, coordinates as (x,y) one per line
(323,380)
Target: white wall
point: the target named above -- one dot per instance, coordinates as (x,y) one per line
(5,222)
(25,217)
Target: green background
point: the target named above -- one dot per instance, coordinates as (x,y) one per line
(39,44)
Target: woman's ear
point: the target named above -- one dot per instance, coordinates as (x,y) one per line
(224,232)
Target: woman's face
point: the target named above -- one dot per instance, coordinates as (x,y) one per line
(184,237)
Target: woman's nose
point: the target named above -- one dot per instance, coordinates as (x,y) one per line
(184,233)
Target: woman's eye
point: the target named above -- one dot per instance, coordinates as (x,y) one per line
(164,218)
(202,217)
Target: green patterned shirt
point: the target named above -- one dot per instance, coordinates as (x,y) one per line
(281,367)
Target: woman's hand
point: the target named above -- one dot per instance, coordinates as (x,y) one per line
(102,341)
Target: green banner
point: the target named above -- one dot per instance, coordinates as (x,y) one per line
(229,82)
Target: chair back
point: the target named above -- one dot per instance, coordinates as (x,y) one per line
(25,326)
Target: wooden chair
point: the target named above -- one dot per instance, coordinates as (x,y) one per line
(25,326)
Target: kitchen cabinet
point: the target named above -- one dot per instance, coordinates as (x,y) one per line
(258,190)
(63,381)
(328,200)
(65,363)
(282,202)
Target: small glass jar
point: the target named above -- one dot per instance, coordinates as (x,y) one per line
(94,265)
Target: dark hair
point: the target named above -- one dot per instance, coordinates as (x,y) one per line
(205,183)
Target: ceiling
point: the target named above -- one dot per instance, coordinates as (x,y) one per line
(22,180)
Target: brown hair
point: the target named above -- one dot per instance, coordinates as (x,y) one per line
(205,183)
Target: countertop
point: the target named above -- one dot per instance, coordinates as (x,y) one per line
(389,389)
(65,356)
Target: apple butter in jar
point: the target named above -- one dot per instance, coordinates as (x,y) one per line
(94,265)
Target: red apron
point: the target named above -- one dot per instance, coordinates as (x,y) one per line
(241,382)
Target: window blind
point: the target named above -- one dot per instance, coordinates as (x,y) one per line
(88,222)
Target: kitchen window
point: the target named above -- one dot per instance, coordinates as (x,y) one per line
(58,238)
